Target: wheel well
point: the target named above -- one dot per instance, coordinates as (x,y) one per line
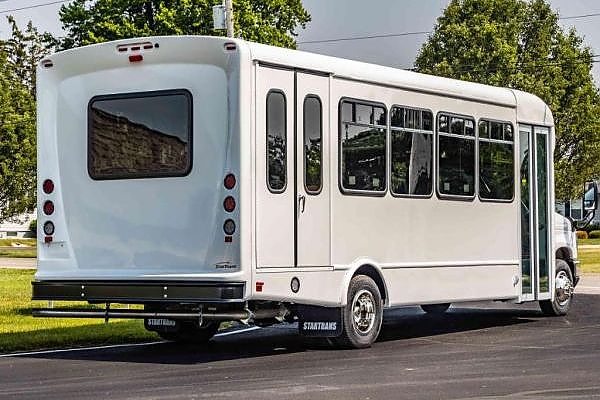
(372,273)
(564,253)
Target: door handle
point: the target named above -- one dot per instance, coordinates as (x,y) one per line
(301,202)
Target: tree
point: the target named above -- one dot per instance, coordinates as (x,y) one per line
(95,21)
(519,44)
(17,143)
(18,59)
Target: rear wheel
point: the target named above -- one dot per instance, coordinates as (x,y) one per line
(363,313)
(435,308)
(189,332)
(563,291)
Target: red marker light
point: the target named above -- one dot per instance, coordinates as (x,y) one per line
(259,286)
(136,58)
(229,181)
(48,207)
(229,204)
(48,186)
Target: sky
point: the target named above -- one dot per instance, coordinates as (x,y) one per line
(335,19)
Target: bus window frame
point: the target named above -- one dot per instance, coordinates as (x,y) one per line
(490,140)
(355,192)
(433,150)
(139,95)
(455,197)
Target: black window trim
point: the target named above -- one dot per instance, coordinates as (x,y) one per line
(313,96)
(285,121)
(386,127)
(513,143)
(138,95)
(433,151)
(456,197)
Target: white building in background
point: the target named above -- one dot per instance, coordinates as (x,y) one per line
(17,227)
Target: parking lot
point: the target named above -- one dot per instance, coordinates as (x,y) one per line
(483,350)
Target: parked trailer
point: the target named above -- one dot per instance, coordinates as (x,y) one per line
(213,179)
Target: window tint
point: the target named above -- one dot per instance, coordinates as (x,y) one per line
(496,161)
(140,135)
(276,142)
(313,136)
(456,155)
(362,146)
(412,151)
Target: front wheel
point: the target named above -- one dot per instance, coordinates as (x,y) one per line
(363,314)
(563,291)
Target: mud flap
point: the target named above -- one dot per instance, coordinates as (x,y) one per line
(315,321)
(162,325)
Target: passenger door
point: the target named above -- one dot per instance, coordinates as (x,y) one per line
(536,218)
(312,170)
(274,154)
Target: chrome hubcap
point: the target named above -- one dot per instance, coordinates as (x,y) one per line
(363,311)
(563,287)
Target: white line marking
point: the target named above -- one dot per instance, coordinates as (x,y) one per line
(252,328)
(114,346)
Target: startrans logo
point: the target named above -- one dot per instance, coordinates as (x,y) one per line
(319,326)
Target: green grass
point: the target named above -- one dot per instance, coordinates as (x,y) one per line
(588,241)
(18,253)
(590,260)
(20,331)
(11,241)
(9,248)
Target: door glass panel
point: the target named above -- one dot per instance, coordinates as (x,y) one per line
(276,142)
(542,207)
(312,144)
(525,212)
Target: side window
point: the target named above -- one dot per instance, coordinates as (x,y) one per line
(313,147)
(362,146)
(412,151)
(276,142)
(456,155)
(496,160)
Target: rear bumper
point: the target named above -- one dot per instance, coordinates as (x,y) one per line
(139,292)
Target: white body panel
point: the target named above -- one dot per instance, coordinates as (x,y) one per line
(426,250)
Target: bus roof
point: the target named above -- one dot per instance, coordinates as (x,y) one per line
(530,108)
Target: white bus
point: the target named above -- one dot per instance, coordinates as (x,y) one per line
(211,179)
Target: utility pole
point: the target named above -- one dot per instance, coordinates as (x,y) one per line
(229,17)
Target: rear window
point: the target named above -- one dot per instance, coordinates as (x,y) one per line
(140,135)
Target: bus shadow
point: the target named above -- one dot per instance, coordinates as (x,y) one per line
(405,323)
(411,323)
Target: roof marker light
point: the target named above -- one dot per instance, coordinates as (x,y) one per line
(229,46)
(47,64)
(136,58)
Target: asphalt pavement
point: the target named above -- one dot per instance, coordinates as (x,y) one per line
(482,351)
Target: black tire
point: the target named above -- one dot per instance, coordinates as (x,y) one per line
(563,292)
(435,308)
(362,315)
(191,333)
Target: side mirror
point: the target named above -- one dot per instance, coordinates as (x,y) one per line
(590,196)
(589,204)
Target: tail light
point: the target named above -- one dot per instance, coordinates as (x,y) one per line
(48,186)
(48,207)
(229,181)
(229,204)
